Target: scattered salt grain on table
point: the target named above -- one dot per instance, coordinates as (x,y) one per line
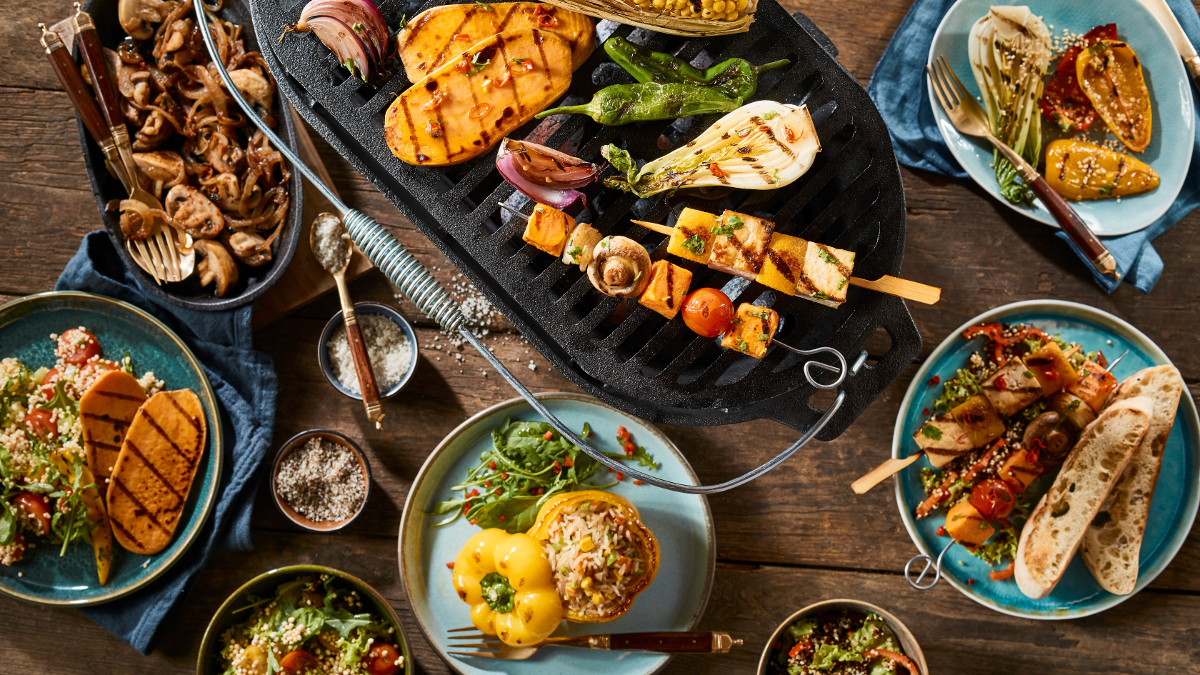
(387,348)
(321,481)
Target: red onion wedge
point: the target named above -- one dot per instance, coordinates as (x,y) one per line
(342,41)
(556,197)
(548,167)
(362,16)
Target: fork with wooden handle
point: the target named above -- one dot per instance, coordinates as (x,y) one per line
(968,117)
(909,290)
(158,253)
(666,643)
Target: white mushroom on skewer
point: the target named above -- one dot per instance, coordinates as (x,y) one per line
(620,267)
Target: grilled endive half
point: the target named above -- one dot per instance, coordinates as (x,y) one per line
(760,146)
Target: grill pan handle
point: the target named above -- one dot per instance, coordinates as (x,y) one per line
(407,273)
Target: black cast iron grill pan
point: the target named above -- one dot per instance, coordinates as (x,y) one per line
(621,352)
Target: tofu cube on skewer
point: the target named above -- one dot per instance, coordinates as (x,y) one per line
(826,274)
(751,330)
(547,229)
(783,264)
(943,439)
(1012,388)
(666,289)
(740,245)
(692,237)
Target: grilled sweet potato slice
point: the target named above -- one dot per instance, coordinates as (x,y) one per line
(154,471)
(437,35)
(106,410)
(475,99)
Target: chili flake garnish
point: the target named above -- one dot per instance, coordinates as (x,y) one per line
(434,103)
(465,37)
(477,111)
(715,169)
(433,129)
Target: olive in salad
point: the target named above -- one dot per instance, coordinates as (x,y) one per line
(315,624)
(842,642)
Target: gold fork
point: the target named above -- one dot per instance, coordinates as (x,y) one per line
(968,117)
(668,643)
(156,254)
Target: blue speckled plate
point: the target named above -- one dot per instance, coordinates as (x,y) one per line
(25,327)
(682,523)
(1172,133)
(1172,511)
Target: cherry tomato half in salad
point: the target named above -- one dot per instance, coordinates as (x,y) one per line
(77,346)
(707,311)
(48,381)
(381,660)
(993,498)
(38,510)
(299,662)
(90,370)
(41,423)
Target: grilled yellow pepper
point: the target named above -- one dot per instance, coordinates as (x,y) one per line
(1110,74)
(1078,170)
(507,581)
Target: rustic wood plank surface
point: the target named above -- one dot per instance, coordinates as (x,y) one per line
(796,536)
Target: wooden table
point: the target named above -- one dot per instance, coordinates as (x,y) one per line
(794,537)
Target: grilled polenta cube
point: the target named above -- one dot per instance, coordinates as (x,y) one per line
(666,289)
(826,274)
(740,245)
(547,229)
(751,330)
(785,259)
(1052,368)
(693,236)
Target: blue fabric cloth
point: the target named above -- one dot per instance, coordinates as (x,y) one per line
(898,87)
(245,385)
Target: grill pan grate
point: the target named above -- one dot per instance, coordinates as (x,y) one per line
(621,352)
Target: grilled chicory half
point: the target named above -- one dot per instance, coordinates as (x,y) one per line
(1009,51)
(760,146)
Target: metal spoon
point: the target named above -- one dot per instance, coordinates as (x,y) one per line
(362,364)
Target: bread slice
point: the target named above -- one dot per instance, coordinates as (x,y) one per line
(154,472)
(106,410)
(1114,538)
(1056,527)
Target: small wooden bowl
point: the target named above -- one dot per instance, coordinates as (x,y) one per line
(908,643)
(362,309)
(298,441)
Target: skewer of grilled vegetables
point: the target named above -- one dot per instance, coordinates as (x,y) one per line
(473,100)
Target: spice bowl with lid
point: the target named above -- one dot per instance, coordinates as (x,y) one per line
(775,652)
(320,480)
(390,342)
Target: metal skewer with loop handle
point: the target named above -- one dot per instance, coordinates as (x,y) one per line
(919,582)
(419,286)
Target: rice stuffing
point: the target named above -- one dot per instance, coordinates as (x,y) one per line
(387,348)
(595,557)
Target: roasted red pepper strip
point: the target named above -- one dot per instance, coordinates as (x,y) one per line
(1002,574)
(898,658)
(983,461)
(1063,101)
(938,496)
(995,333)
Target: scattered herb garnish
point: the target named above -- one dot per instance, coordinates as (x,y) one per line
(732,224)
(827,257)
(931,432)
(695,244)
(770,115)
(477,65)
(486,7)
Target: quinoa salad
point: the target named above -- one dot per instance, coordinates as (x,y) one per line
(42,458)
(312,624)
(595,558)
(842,642)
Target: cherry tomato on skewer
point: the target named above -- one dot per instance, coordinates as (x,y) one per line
(993,498)
(707,311)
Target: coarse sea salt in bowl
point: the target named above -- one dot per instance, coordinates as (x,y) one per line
(320,480)
(393,353)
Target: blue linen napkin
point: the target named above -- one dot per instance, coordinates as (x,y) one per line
(898,87)
(245,386)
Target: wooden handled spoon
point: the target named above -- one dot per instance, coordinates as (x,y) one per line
(333,252)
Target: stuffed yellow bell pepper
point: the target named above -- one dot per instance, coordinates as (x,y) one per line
(507,581)
(1110,74)
(601,553)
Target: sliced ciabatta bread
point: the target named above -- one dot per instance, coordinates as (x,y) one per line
(1114,538)
(1056,527)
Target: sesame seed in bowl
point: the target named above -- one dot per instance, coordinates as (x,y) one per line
(320,480)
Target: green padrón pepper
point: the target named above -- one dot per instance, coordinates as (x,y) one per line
(735,78)
(624,103)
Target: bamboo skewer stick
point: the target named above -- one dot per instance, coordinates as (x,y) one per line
(883,472)
(909,290)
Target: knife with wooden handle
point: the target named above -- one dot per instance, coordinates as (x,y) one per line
(104,86)
(77,91)
(1183,45)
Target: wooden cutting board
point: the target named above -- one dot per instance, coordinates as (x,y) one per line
(304,280)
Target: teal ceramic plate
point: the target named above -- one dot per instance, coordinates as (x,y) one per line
(682,523)
(1176,496)
(25,327)
(263,586)
(1170,151)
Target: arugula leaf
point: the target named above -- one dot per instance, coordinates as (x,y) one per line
(8,524)
(62,401)
(310,618)
(343,621)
